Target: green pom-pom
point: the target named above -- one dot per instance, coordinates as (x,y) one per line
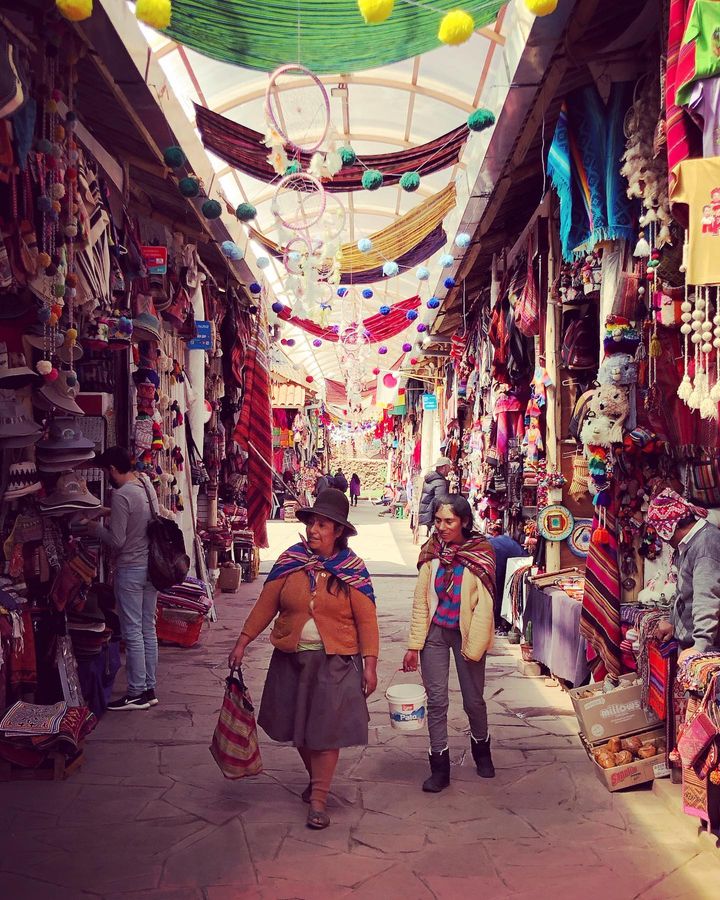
(348,156)
(372,180)
(189,187)
(211,209)
(480,120)
(174,157)
(410,182)
(293,168)
(245,212)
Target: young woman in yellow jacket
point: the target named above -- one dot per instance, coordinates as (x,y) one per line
(453,612)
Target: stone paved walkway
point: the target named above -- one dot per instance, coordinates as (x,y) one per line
(150,816)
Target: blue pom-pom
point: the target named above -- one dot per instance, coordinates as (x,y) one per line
(231,250)
(449,283)
(447,260)
(411,315)
(384,310)
(365,245)
(390,269)
(433,303)
(263,262)
(277,307)
(342,292)
(367,293)
(422,273)
(462,240)
(255,288)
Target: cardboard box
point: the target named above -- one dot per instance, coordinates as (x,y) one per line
(639,771)
(602,716)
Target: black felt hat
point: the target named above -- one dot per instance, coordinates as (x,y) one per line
(331,504)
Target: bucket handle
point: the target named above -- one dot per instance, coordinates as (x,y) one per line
(395,674)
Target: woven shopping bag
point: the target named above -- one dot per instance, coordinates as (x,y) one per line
(700,731)
(234,744)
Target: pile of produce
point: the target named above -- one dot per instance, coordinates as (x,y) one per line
(623,751)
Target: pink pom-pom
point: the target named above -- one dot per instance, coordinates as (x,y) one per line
(53,375)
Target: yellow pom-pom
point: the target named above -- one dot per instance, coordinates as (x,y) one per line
(541,7)
(155,13)
(75,10)
(456,27)
(71,336)
(375,11)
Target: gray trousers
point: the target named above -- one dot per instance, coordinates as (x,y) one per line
(435,664)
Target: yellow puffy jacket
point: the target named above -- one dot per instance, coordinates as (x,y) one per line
(477,624)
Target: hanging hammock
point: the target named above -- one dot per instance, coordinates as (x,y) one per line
(245,150)
(326,37)
(378,326)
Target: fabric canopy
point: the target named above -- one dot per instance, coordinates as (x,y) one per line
(326,37)
(378,327)
(392,243)
(245,150)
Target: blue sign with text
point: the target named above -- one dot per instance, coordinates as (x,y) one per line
(203,340)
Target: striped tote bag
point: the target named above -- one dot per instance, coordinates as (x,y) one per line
(234,744)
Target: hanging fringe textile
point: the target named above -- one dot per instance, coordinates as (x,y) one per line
(378,326)
(325,37)
(393,242)
(245,150)
(683,138)
(253,431)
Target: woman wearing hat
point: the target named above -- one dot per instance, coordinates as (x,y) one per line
(326,643)
(453,613)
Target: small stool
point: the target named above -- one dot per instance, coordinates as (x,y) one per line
(399,512)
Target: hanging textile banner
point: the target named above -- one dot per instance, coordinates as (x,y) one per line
(392,242)
(378,327)
(326,37)
(244,149)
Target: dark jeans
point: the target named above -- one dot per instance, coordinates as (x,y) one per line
(435,664)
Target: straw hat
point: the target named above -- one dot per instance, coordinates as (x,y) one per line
(22,480)
(330,504)
(70,494)
(61,393)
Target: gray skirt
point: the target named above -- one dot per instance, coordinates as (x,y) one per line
(315,700)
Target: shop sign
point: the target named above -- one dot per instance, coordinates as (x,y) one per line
(155,259)
(429,401)
(203,339)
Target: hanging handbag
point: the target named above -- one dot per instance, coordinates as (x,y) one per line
(698,733)
(234,744)
(168,563)
(198,469)
(703,480)
(527,309)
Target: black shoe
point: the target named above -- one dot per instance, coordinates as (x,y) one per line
(150,697)
(481,754)
(128,702)
(440,769)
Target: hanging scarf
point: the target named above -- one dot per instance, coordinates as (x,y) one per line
(667,510)
(345,565)
(475,554)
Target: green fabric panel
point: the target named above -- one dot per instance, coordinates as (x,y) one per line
(332,37)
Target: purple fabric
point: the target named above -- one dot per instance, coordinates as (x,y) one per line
(422,251)
(556,637)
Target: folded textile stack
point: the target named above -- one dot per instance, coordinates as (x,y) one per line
(29,732)
(191,596)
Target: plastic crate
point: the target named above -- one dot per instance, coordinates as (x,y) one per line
(175,628)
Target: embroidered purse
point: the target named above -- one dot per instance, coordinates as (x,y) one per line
(699,732)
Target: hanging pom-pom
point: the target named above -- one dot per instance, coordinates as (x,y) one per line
(44,367)
(348,156)
(410,182)
(708,409)
(456,27)
(480,119)
(600,536)
(655,347)
(375,11)
(642,248)
(211,209)
(174,157)
(74,10)
(155,13)
(372,179)
(245,212)
(189,186)
(541,7)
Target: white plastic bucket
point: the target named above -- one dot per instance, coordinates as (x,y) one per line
(407,704)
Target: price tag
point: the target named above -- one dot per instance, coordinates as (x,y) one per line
(661,770)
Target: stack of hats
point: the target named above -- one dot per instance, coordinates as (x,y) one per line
(22,480)
(64,447)
(88,628)
(70,495)
(146,325)
(60,393)
(16,428)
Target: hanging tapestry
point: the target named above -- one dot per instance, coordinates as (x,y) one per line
(378,327)
(600,616)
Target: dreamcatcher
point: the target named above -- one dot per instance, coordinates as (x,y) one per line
(297,109)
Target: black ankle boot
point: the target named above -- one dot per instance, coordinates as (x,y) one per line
(440,772)
(481,754)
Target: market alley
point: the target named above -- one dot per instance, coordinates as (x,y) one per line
(150,816)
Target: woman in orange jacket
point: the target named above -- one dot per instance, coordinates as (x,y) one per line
(324,666)
(453,613)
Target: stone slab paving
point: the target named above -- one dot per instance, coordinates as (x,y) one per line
(149,817)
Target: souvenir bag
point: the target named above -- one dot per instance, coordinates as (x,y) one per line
(625,301)
(527,309)
(198,469)
(168,563)
(700,731)
(580,344)
(234,744)
(703,480)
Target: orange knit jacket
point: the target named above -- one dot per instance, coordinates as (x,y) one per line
(347,622)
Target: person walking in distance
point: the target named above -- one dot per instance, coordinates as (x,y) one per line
(453,613)
(340,482)
(435,485)
(354,489)
(136,598)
